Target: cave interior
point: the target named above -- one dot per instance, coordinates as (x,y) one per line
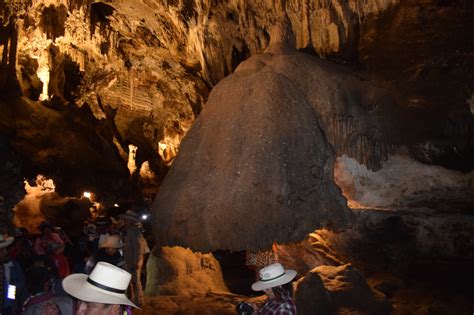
(338,133)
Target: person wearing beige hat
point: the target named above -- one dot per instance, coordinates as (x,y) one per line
(102,292)
(109,251)
(275,281)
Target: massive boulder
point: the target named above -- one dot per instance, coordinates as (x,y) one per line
(256,167)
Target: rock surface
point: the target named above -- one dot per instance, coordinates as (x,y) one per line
(403,182)
(147,67)
(310,295)
(349,291)
(258,154)
(177,271)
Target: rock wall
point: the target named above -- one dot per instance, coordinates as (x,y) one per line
(147,67)
(139,73)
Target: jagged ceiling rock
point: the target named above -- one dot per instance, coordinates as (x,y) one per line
(147,67)
(42,135)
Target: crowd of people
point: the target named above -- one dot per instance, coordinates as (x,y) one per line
(39,270)
(99,271)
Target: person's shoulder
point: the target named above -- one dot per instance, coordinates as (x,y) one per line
(287,307)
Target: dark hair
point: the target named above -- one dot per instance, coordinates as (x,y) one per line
(283,291)
(37,278)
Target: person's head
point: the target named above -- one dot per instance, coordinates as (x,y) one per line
(46,228)
(275,281)
(130,218)
(38,280)
(280,292)
(5,241)
(111,243)
(94,308)
(102,292)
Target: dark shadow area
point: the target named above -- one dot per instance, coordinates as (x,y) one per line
(237,276)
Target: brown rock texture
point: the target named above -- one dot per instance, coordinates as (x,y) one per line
(258,154)
(147,66)
(350,292)
(177,271)
(138,73)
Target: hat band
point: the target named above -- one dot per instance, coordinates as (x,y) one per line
(274,278)
(104,287)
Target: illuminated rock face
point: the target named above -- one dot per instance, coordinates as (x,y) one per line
(143,70)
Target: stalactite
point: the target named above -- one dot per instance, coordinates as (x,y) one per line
(131,79)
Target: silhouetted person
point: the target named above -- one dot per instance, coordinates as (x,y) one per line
(275,281)
(42,299)
(12,279)
(134,253)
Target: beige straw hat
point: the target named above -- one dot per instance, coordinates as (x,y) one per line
(272,276)
(106,284)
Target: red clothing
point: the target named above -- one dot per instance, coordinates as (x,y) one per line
(285,306)
(42,242)
(62,264)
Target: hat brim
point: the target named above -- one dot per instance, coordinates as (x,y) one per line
(128,217)
(262,285)
(8,241)
(77,286)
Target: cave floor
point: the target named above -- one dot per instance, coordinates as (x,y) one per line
(208,304)
(415,297)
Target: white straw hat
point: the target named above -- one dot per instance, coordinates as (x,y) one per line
(272,276)
(6,240)
(110,241)
(106,284)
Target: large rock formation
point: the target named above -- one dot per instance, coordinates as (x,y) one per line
(256,167)
(147,67)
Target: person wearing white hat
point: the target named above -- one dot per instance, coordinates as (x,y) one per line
(275,281)
(109,246)
(102,292)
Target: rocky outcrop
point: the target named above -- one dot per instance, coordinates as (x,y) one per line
(311,297)
(349,290)
(403,182)
(179,271)
(41,203)
(338,290)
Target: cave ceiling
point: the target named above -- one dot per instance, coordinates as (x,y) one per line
(81,81)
